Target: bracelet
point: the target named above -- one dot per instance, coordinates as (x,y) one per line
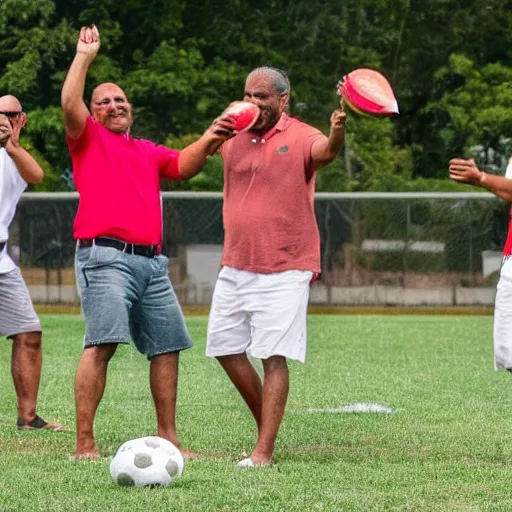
(482,177)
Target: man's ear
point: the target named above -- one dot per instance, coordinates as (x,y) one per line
(285,100)
(23,119)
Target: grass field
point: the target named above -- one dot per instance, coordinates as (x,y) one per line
(447,445)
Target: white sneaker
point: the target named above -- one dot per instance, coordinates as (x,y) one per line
(246,463)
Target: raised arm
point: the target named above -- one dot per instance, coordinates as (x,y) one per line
(27,166)
(326,149)
(72,95)
(466,171)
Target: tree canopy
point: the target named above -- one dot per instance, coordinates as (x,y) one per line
(182,62)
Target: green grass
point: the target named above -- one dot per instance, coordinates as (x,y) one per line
(447,446)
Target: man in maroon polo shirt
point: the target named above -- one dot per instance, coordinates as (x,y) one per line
(271,251)
(122,278)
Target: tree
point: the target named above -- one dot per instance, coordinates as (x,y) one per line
(473,116)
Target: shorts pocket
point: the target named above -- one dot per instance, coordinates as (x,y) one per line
(83,255)
(96,256)
(89,258)
(102,256)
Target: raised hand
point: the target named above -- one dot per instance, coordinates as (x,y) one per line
(17,124)
(89,41)
(465,171)
(338,119)
(224,126)
(5,130)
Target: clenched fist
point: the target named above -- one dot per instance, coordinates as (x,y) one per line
(338,119)
(5,130)
(89,41)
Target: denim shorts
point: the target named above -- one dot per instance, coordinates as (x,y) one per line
(128,297)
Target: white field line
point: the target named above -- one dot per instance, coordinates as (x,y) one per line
(357,408)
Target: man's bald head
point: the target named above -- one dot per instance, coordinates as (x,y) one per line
(11,107)
(10,103)
(110,107)
(106,88)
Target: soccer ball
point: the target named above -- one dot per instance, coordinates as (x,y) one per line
(146,461)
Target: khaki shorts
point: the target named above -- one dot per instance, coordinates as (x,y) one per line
(262,314)
(17,313)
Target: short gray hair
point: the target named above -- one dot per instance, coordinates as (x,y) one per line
(279,79)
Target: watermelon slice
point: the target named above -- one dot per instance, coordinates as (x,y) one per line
(367,91)
(244,113)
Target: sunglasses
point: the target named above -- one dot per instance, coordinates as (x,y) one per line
(11,114)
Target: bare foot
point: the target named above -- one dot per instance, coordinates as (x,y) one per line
(38,424)
(260,459)
(79,455)
(189,455)
(55,427)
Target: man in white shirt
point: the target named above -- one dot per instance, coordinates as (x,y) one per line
(18,320)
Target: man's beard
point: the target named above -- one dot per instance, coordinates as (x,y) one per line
(269,121)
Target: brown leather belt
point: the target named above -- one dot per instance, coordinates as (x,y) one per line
(149,251)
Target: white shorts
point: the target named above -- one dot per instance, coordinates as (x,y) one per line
(503,318)
(263,314)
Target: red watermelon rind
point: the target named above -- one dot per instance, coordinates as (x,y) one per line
(244,113)
(367,91)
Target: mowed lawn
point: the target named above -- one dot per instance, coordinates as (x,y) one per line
(447,445)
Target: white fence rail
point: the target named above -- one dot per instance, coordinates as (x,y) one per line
(400,249)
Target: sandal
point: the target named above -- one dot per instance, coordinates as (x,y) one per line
(38,424)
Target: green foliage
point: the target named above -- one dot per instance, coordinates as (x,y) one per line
(211,178)
(45,129)
(475,109)
(182,63)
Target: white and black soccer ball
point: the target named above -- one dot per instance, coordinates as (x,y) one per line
(146,461)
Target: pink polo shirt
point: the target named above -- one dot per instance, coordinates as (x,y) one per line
(507,249)
(118,179)
(269,215)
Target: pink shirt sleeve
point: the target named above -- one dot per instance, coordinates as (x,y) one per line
(76,144)
(310,138)
(78,147)
(167,161)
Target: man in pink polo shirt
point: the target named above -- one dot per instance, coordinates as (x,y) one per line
(466,171)
(271,251)
(122,278)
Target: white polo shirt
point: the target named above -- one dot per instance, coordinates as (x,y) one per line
(12,186)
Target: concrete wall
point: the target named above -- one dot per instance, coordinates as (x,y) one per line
(320,294)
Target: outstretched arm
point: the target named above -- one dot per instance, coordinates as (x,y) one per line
(193,157)
(466,171)
(72,95)
(27,166)
(326,149)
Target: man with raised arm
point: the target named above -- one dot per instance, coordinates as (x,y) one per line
(466,171)
(271,251)
(18,320)
(122,276)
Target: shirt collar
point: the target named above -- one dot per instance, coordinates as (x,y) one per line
(280,126)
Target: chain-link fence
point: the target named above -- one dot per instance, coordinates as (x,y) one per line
(377,248)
